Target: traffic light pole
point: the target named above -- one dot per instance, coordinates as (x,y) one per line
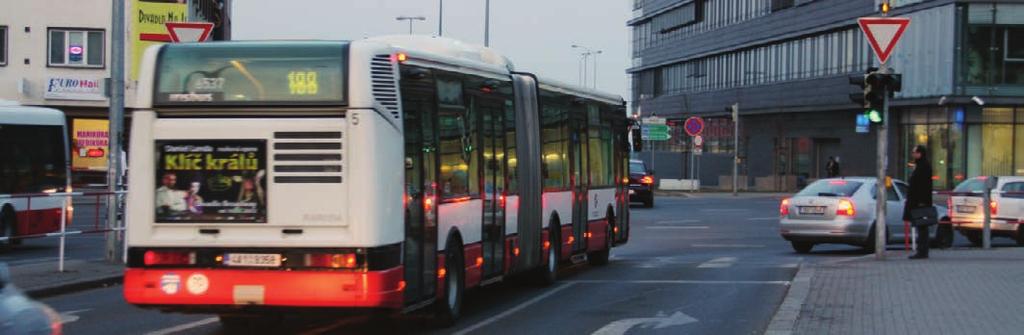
(883,157)
(115,238)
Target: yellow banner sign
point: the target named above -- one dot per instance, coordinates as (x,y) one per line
(89,145)
(148,29)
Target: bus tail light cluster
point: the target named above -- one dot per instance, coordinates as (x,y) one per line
(331,261)
(153,257)
(846,208)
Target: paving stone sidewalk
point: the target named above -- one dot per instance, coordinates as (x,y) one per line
(965,291)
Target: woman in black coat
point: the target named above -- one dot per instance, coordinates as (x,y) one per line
(920,196)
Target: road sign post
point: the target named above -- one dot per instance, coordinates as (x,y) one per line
(883,33)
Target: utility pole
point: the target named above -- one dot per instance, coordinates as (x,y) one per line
(883,162)
(736,148)
(115,238)
(440,18)
(487,23)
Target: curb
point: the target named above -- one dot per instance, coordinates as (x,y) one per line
(786,315)
(72,287)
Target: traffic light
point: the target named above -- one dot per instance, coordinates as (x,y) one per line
(638,143)
(861,82)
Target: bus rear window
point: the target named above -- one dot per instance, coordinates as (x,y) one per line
(251,73)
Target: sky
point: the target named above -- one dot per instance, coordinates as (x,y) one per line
(536,35)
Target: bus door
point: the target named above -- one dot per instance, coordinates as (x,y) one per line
(580,177)
(493,145)
(421,166)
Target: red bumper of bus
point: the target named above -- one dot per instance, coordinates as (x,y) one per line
(224,287)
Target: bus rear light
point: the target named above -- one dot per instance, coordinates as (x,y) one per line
(400,57)
(428,204)
(515,251)
(547,245)
(570,239)
(441,273)
(333,261)
(169,258)
(401,285)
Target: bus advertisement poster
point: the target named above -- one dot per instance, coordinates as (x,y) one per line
(211,181)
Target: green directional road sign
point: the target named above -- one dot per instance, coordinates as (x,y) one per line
(655,132)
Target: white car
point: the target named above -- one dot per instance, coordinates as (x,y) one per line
(842,211)
(1007,207)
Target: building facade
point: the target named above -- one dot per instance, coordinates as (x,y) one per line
(787,63)
(57,55)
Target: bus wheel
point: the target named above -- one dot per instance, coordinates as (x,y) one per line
(450,305)
(7,223)
(548,274)
(600,257)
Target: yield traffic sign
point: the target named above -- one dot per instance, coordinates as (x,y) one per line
(189,31)
(883,33)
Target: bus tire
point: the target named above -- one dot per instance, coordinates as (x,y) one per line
(8,222)
(600,257)
(449,307)
(548,274)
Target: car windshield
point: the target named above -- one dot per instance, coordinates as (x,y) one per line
(831,188)
(972,185)
(637,168)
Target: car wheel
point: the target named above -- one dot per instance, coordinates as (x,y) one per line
(974,237)
(449,307)
(944,236)
(869,244)
(7,223)
(802,247)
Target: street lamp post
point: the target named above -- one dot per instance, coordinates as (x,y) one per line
(487,23)
(598,52)
(586,56)
(440,18)
(410,19)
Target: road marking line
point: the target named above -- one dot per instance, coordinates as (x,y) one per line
(683,282)
(763,219)
(725,210)
(678,221)
(678,227)
(727,245)
(187,326)
(718,263)
(512,310)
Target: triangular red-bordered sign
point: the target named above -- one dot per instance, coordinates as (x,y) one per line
(189,31)
(883,33)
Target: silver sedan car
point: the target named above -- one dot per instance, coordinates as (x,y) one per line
(842,211)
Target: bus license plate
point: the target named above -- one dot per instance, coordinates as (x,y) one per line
(259,260)
(816,210)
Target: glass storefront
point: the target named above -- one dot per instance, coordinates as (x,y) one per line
(965,141)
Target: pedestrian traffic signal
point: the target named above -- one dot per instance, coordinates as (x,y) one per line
(874,90)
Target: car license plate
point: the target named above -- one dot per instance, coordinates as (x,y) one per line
(966,209)
(259,260)
(815,210)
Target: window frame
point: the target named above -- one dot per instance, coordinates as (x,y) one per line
(85,54)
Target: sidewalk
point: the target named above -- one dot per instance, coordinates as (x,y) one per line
(43,279)
(966,291)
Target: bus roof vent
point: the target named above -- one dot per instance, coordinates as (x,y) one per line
(385,88)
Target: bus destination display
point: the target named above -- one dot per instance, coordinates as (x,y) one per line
(251,74)
(203,181)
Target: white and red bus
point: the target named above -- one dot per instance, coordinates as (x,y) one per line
(33,163)
(392,173)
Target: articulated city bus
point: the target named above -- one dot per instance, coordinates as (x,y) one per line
(392,173)
(33,161)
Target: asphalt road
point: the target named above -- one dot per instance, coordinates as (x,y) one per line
(693,265)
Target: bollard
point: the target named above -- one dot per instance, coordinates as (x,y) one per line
(986,235)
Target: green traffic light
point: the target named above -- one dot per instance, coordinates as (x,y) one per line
(874,116)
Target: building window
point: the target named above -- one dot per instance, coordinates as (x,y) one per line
(994,50)
(3,45)
(76,48)
(778,5)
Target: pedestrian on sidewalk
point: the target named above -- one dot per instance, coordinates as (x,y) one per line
(920,199)
(832,167)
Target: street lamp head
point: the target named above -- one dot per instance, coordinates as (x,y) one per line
(978,100)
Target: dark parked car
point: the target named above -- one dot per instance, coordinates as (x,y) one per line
(641,183)
(21,315)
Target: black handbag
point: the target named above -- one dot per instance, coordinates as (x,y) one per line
(924,216)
